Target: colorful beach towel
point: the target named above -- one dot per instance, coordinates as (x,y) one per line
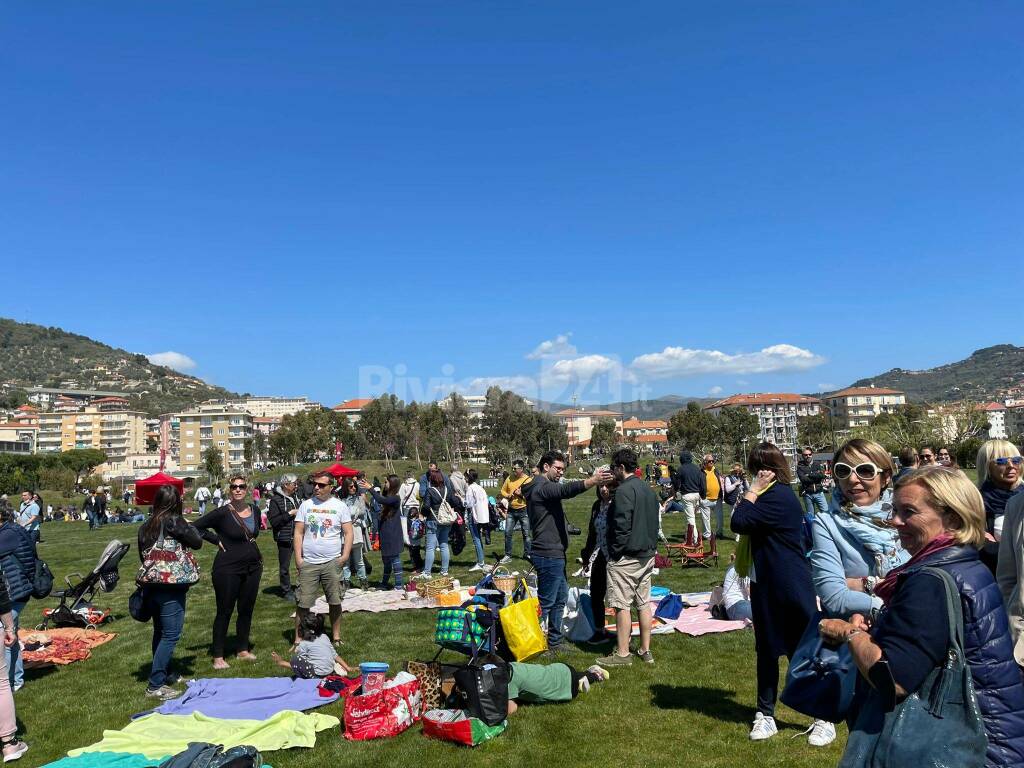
(246,698)
(157,735)
(63,646)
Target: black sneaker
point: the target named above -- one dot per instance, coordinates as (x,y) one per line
(573,530)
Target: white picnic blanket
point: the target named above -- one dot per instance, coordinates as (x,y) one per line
(377,601)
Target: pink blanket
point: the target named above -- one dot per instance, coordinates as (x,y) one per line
(697,620)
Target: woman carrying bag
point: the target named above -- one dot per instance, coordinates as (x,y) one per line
(168,569)
(237,568)
(938,684)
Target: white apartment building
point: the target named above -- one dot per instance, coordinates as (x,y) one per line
(274,407)
(579,425)
(996,414)
(857,406)
(777,413)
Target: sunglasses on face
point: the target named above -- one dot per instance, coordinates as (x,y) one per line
(865,471)
(925,456)
(1015,460)
(241,487)
(322,485)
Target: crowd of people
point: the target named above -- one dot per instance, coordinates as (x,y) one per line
(853,543)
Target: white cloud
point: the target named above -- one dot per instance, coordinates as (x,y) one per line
(175,360)
(715,391)
(679,361)
(827,386)
(560,346)
(523,385)
(584,369)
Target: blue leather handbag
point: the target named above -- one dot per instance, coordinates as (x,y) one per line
(821,679)
(939,724)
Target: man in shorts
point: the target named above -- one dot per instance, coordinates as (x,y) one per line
(632,543)
(321,525)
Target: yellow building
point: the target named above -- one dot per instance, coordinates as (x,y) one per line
(106,424)
(858,406)
(221,426)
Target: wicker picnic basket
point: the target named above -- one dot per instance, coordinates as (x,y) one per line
(504,580)
(434,587)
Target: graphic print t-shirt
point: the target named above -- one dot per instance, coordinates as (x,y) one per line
(321,540)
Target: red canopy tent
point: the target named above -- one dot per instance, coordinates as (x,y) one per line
(145,489)
(340,470)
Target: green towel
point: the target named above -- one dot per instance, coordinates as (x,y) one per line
(159,735)
(107,760)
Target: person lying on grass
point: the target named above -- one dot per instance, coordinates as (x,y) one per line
(313,656)
(543,684)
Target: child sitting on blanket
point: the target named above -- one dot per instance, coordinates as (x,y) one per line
(314,655)
(542,684)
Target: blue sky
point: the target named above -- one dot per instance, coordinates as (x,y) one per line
(333,198)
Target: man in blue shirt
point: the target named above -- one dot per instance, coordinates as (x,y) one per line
(29,516)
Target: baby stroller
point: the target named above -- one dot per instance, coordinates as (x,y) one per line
(76,608)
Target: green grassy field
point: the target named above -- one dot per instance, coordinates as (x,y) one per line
(692,707)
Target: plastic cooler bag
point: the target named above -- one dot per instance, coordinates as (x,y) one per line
(454,725)
(384,713)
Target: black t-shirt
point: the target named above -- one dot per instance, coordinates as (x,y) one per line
(913,630)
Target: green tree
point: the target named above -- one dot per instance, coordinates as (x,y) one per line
(603,437)
(511,428)
(57,478)
(259,446)
(383,426)
(693,429)
(815,431)
(735,428)
(82,461)
(248,453)
(152,444)
(213,463)
(456,426)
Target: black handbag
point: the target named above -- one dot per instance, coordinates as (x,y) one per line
(138,607)
(482,689)
(42,580)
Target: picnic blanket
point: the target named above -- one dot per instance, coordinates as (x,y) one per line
(66,645)
(107,760)
(697,620)
(376,602)
(157,735)
(245,698)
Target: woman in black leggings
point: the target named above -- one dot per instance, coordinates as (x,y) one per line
(237,568)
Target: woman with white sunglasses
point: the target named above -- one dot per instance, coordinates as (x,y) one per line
(999,478)
(854,544)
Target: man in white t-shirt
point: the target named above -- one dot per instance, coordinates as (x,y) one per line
(321,525)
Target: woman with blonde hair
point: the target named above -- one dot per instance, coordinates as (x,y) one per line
(999,478)
(903,655)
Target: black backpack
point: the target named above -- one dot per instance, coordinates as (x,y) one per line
(203,755)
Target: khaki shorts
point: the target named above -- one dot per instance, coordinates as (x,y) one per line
(629,583)
(314,578)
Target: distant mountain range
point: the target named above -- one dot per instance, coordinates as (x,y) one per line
(32,355)
(980,377)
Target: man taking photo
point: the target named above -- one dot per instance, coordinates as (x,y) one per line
(544,494)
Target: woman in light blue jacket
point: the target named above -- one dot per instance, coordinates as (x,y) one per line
(854,545)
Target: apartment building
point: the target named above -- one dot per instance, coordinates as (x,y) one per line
(106,424)
(274,407)
(776,412)
(475,404)
(996,414)
(857,406)
(18,438)
(222,426)
(579,425)
(353,409)
(45,396)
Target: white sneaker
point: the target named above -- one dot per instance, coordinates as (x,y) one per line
(477,567)
(764,728)
(822,733)
(505,559)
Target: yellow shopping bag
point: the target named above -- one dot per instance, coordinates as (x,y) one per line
(520,621)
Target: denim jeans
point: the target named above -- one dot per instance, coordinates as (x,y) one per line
(553,591)
(814,501)
(478,542)
(393,565)
(355,564)
(12,655)
(168,607)
(436,535)
(517,518)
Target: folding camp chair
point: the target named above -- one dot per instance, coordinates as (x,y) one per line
(695,553)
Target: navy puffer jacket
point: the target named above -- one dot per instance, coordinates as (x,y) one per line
(17,560)
(998,684)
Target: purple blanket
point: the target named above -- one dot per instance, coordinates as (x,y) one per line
(246,698)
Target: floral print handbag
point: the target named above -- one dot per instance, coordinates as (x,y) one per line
(168,562)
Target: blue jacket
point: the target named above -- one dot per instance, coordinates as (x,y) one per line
(17,560)
(998,685)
